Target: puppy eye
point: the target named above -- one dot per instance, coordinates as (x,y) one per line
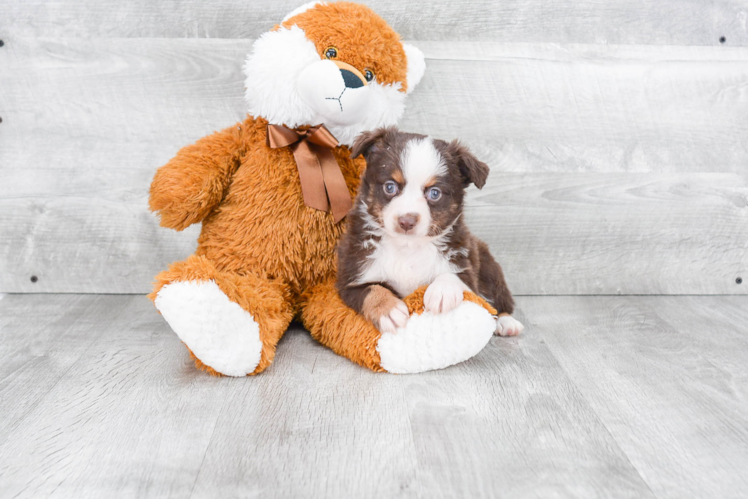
(368,75)
(391,188)
(434,194)
(331,53)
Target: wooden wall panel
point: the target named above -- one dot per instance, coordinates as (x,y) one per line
(615,169)
(553,233)
(132,103)
(661,22)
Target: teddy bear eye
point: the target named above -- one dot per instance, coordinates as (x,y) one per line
(331,53)
(368,75)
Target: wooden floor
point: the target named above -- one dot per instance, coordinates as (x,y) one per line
(601,397)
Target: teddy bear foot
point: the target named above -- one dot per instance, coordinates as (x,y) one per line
(219,333)
(433,341)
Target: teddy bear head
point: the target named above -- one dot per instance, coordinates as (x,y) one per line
(337,64)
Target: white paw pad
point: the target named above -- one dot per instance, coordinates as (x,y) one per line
(219,332)
(506,326)
(431,341)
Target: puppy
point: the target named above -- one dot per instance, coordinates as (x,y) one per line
(406,230)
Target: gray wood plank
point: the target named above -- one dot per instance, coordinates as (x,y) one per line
(130,418)
(508,423)
(314,425)
(667,377)
(553,234)
(124,105)
(319,426)
(558,234)
(41,338)
(601,397)
(585,21)
(86,125)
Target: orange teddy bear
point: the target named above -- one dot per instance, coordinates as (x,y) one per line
(272,193)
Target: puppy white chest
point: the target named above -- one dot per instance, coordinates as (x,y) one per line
(405,265)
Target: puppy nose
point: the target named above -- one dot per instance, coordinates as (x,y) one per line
(408,221)
(352,81)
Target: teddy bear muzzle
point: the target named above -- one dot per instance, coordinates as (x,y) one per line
(335,90)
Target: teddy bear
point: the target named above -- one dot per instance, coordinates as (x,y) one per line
(272,193)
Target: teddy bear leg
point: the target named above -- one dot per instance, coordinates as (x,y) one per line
(335,325)
(230,323)
(427,342)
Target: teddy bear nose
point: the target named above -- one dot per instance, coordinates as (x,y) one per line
(352,81)
(408,221)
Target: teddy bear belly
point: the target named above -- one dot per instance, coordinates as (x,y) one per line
(297,245)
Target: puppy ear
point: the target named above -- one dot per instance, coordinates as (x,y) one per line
(472,169)
(365,142)
(416,66)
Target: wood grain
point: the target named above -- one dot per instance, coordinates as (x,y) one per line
(600,397)
(666,375)
(584,21)
(38,347)
(130,104)
(86,125)
(552,233)
(508,423)
(558,234)
(131,417)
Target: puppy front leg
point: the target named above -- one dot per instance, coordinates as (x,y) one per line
(378,305)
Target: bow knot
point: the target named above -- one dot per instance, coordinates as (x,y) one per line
(322,183)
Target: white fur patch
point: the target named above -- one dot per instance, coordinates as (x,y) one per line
(416,66)
(405,262)
(507,326)
(219,332)
(273,70)
(444,294)
(420,163)
(430,342)
(322,87)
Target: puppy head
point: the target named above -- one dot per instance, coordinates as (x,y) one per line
(414,186)
(339,64)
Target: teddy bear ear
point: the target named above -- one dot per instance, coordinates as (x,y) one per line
(416,66)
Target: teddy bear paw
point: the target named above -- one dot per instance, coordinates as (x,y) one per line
(431,341)
(221,334)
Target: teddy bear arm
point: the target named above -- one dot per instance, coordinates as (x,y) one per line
(191,184)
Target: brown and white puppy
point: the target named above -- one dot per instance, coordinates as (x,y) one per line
(406,231)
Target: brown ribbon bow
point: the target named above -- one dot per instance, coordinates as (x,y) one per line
(319,172)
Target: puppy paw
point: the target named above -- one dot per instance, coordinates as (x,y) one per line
(444,294)
(396,318)
(385,310)
(506,326)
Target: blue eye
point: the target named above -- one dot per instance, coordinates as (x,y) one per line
(434,194)
(390,188)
